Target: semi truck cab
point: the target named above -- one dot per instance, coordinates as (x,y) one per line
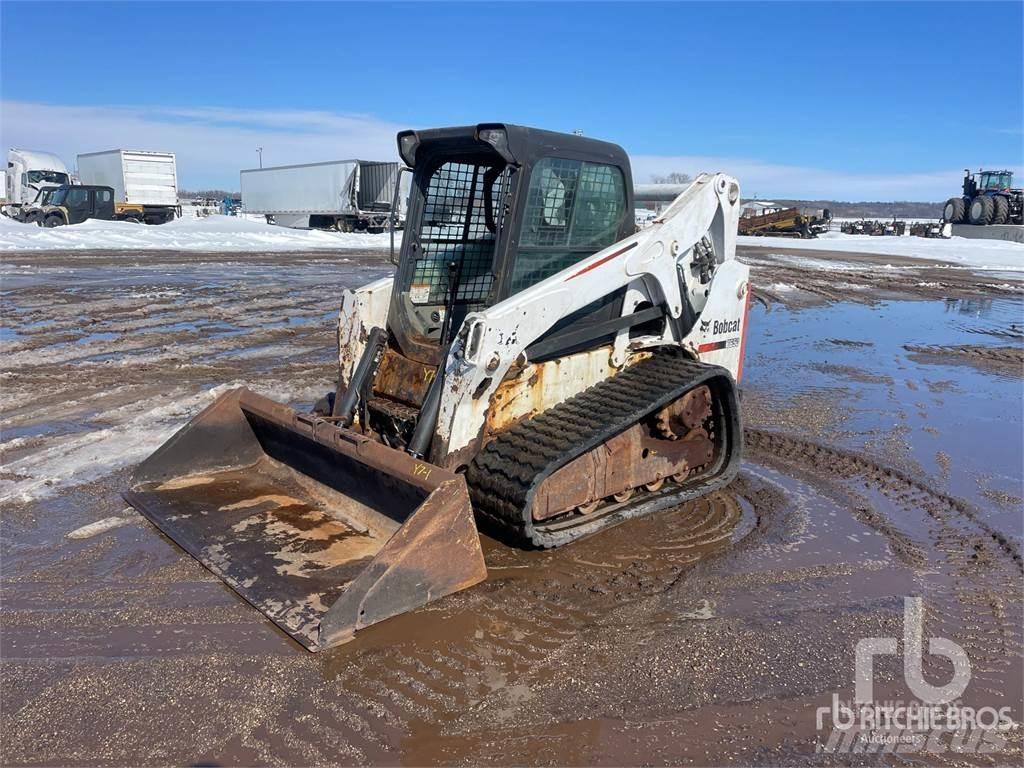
(29,172)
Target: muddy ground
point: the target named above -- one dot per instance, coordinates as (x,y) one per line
(883,399)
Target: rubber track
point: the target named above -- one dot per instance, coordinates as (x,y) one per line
(505,474)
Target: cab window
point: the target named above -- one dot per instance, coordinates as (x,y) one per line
(49,177)
(461,218)
(573,209)
(102,196)
(76,197)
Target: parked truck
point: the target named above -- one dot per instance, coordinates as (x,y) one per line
(28,172)
(345,195)
(145,183)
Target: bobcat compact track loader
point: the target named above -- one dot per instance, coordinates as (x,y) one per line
(534,360)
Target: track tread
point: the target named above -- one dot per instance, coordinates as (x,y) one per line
(503,476)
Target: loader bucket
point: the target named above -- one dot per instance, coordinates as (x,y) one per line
(322,529)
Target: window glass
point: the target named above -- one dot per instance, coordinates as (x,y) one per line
(599,207)
(50,177)
(102,195)
(461,217)
(573,209)
(76,197)
(549,202)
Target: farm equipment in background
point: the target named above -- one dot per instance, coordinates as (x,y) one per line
(894,228)
(939,228)
(534,360)
(785,222)
(231,206)
(989,197)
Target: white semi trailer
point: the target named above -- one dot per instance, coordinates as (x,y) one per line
(28,172)
(347,195)
(145,183)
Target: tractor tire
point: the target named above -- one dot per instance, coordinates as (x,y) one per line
(1000,209)
(954,210)
(981,210)
(53,220)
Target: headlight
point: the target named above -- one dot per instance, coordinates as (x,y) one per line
(407,145)
(497,137)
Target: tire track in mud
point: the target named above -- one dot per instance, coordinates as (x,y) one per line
(798,277)
(484,652)
(1004,358)
(967,571)
(895,484)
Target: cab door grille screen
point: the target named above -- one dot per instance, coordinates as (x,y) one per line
(455,227)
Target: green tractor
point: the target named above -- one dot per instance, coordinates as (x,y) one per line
(988,198)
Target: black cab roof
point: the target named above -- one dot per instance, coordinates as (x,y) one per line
(517,144)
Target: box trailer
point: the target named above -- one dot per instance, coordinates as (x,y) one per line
(145,183)
(347,195)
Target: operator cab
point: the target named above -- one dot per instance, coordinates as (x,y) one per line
(493,209)
(995,180)
(74,204)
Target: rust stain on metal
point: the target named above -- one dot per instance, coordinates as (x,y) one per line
(689,412)
(323,529)
(403,379)
(537,387)
(641,456)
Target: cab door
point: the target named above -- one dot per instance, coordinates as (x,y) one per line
(78,203)
(103,204)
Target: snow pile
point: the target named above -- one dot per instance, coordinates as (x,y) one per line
(130,435)
(214,233)
(979,254)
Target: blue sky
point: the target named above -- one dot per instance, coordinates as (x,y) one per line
(854,101)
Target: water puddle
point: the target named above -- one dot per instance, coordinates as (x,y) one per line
(849,367)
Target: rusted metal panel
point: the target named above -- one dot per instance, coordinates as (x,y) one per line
(539,386)
(403,379)
(690,411)
(634,458)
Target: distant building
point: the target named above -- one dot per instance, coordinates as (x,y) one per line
(758,207)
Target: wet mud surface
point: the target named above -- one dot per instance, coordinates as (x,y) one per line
(804,277)
(879,465)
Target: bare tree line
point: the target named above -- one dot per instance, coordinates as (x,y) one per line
(672,178)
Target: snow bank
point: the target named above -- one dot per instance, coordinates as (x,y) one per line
(214,233)
(979,254)
(130,435)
